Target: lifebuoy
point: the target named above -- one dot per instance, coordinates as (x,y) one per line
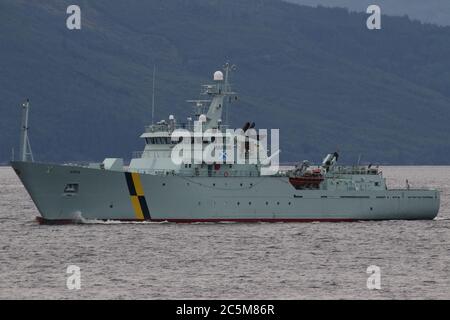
(225,174)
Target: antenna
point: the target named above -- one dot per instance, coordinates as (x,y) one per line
(227,67)
(153,94)
(359,159)
(25,147)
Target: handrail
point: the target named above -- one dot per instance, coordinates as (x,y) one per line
(168,127)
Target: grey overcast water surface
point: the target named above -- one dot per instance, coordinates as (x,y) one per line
(226,261)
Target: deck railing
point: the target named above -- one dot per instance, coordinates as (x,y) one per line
(170,127)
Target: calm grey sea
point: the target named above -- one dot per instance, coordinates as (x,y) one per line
(226,261)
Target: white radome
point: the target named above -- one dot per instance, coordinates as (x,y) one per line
(218,76)
(202,118)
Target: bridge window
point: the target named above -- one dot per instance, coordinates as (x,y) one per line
(159,140)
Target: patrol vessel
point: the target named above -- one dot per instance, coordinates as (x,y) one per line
(155,187)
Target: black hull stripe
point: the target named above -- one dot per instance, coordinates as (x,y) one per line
(130,184)
(144,208)
(133,193)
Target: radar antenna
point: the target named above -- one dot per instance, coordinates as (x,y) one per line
(199,106)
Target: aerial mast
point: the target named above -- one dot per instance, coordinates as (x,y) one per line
(25,148)
(227,67)
(153,94)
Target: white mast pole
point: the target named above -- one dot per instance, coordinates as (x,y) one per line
(153,95)
(25,147)
(24,131)
(228,67)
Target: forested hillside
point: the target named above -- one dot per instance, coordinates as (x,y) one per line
(317,74)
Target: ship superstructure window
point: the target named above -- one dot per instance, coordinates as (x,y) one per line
(158,140)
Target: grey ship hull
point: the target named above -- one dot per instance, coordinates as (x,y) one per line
(114,195)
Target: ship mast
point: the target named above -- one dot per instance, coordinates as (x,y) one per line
(153,94)
(218,91)
(227,67)
(25,148)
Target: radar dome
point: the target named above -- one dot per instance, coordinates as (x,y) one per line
(218,76)
(202,118)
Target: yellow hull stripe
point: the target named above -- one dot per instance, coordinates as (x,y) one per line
(137,184)
(137,197)
(137,207)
